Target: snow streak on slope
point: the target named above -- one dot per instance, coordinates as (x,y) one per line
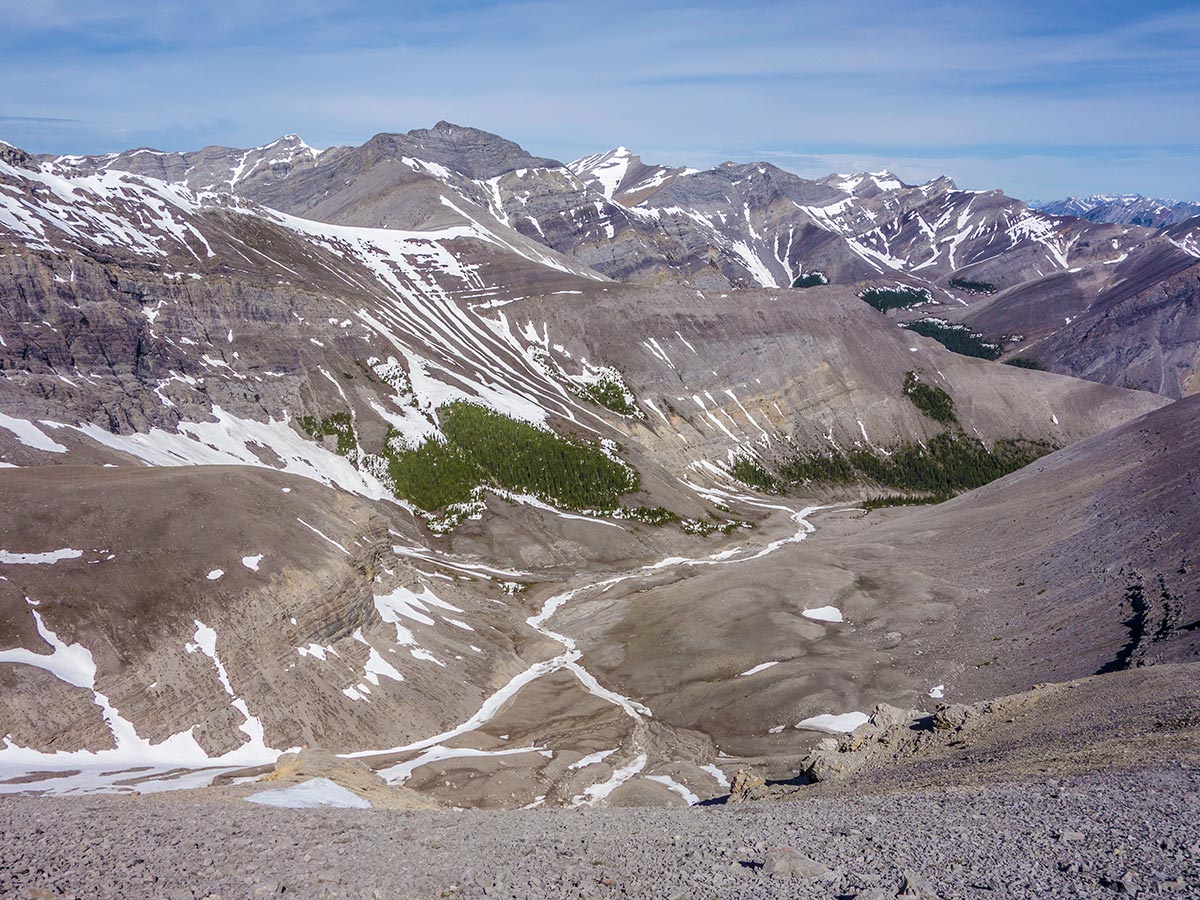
(433,749)
(408,284)
(608,169)
(109,209)
(232,440)
(452,353)
(106,770)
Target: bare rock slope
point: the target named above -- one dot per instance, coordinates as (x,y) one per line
(274,425)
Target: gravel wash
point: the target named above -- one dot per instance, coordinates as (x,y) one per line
(1133,833)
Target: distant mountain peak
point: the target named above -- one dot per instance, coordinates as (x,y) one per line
(607,171)
(472,152)
(1123,209)
(865,184)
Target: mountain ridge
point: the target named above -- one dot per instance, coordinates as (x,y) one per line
(729,227)
(1124,209)
(368,379)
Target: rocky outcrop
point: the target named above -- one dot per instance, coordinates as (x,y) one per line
(747,786)
(889,735)
(352,774)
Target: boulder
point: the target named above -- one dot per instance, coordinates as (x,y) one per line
(861,736)
(747,786)
(885,716)
(822,765)
(784,862)
(952,716)
(916,886)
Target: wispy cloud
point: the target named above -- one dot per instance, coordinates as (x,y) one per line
(33,119)
(1038,98)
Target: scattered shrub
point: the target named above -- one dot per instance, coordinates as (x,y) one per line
(973,287)
(612,394)
(651,515)
(704,527)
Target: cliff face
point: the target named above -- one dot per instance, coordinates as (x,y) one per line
(280,573)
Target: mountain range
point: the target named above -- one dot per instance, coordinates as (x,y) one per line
(527,483)
(1123,209)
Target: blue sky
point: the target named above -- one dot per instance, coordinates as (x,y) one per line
(1041,99)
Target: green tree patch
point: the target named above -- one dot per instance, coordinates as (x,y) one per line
(973,287)
(884,299)
(810,279)
(930,399)
(956,338)
(484,447)
(1024,362)
(339,424)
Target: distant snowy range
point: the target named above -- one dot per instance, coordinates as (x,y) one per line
(1122,209)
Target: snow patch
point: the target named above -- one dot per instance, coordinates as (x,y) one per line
(29,434)
(842,723)
(675,786)
(759,668)
(592,758)
(311,794)
(49,557)
(824,614)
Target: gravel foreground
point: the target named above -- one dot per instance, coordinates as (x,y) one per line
(1134,833)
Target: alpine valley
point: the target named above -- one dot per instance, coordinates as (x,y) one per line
(483,480)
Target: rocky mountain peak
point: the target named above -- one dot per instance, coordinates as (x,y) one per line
(865,184)
(472,152)
(609,172)
(942,183)
(15,156)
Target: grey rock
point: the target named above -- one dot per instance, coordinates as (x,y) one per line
(952,716)
(913,884)
(785,862)
(885,716)
(825,765)
(876,893)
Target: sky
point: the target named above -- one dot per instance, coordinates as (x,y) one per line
(1041,99)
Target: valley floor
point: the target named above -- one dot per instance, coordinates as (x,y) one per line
(1131,831)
